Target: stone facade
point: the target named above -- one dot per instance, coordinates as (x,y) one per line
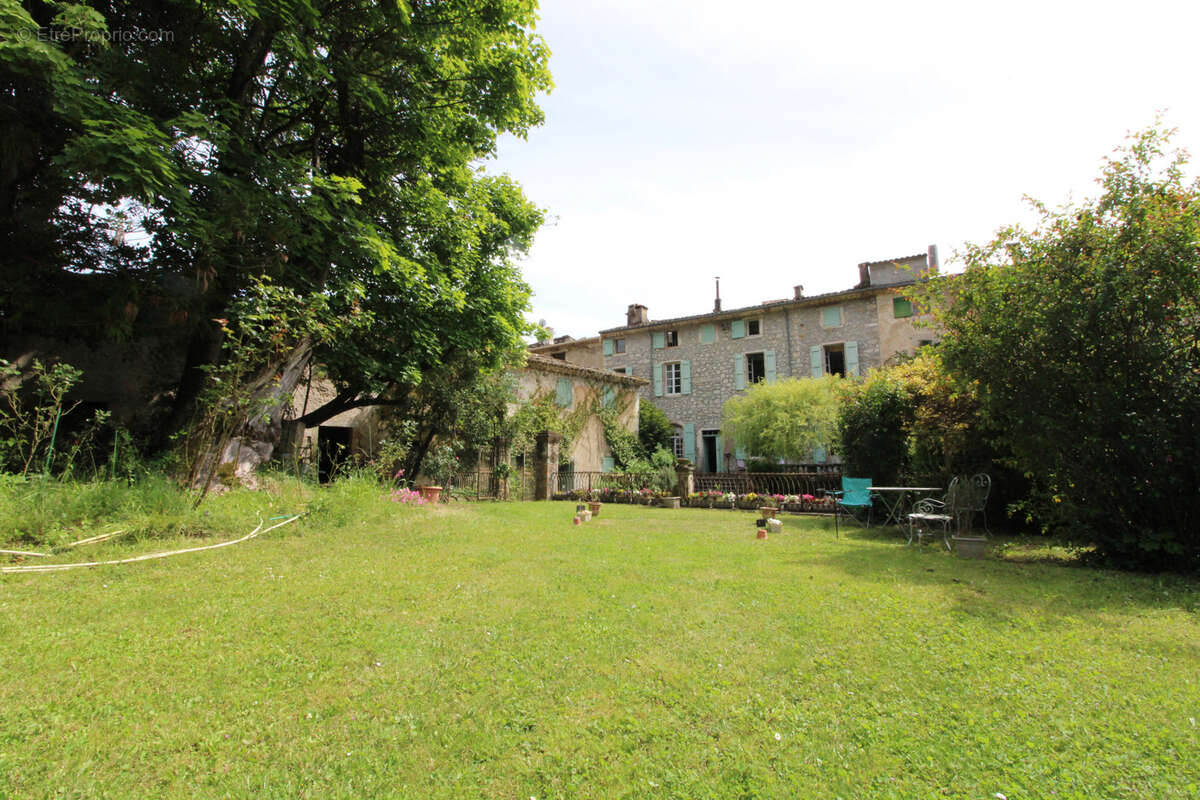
(580,352)
(694,364)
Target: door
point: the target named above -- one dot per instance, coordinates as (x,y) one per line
(333,445)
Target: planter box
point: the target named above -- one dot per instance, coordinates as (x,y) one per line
(722,504)
(668,502)
(970,546)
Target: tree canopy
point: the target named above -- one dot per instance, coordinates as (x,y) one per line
(786,419)
(172,155)
(1082,336)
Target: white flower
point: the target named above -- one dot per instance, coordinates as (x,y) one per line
(778,736)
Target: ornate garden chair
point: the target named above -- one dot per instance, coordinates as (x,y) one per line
(962,501)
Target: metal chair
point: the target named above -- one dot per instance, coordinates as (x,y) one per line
(962,500)
(854,498)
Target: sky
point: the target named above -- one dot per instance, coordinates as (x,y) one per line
(775,144)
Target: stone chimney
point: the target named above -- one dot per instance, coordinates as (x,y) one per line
(799,290)
(717,302)
(637,315)
(933,258)
(864,275)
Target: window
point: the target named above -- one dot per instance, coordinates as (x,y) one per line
(756,367)
(753,327)
(835,360)
(831,317)
(901,308)
(672,338)
(562,356)
(672,378)
(619,345)
(622,370)
(677,446)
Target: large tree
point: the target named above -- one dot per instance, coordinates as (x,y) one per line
(329,147)
(1083,337)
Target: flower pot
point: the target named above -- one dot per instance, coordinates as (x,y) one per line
(768,511)
(668,502)
(970,546)
(761,534)
(594,507)
(430,494)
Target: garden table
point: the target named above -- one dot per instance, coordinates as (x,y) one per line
(893,498)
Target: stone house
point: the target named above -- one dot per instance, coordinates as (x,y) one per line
(694,364)
(584,352)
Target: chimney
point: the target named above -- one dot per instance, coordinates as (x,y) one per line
(717,302)
(933,258)
(636,315)
(799,290)
(864,275)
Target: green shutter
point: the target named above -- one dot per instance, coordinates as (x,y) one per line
(564,395)
(708,333)
(769,365)
(851,358)
(658,380)
(816,362)
(607,464)
(720,444)
(689,442)
(737,329)
(607,346)
(685,377)
(739,371)
(901,308)
(831,317)
(819,455)
(658,340)
(609,396)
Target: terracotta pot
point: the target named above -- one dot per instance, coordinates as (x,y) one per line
(430,493)
(761,534)
(594,507)
(768,511)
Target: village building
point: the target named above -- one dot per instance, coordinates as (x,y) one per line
(693,364)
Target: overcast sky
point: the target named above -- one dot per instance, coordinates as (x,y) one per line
(776,143)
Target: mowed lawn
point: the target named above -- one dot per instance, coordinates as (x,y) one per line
(497,651)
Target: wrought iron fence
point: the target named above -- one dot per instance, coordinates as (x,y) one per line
(798,483)
(486,485)
(566,482)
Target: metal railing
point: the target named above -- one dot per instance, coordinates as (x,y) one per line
(564,482)
(486,485)
(798,483)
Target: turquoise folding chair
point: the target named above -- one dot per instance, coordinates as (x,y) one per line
(854,500)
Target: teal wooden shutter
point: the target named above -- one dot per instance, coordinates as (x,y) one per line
(609,396)
(658,340)
(608,347)
(739,371)
(737,329)
(607,464)
(901,308)
(685,377)
(564,395)
(851,358)
(816,361)
(818,455)
(658,380)
(831,317)
(720,444)
(769,365)
(689,442)
(708,333)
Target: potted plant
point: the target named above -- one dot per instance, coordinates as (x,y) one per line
(594,507)
(725,500)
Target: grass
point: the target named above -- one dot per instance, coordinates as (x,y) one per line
(495,650)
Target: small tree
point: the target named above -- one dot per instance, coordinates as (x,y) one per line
(787,419)
(1082,336)
(654,429)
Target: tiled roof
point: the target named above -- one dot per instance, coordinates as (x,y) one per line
(734,313)
(547,364)
(894,260)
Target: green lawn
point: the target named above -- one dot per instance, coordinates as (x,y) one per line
(495,650)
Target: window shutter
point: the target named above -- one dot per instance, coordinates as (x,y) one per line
(818,455)
(708,333)
(831,317)
(658,380)
(720,454)
(815,361)
(769,365)
(564,395)
(739,371)
(607,464)
(608,347)
(609,396)
(658,340)
(851,358)
(685,377)
(901,308)
(737,329)
(689,442)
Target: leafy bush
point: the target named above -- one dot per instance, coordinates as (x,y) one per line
(654,429)
(1082,337)
(787,419)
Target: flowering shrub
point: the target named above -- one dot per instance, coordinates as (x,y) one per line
(407,496)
